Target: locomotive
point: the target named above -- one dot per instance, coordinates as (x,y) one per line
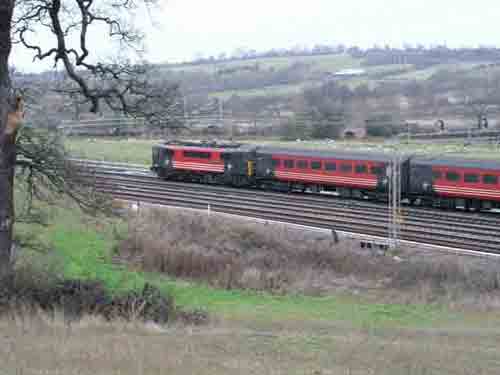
(427,181)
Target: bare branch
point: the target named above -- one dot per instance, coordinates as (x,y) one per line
(46,171)
(122,86)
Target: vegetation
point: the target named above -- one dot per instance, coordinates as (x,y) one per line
(97,239)
(327,62)
(340,329)
(35,345)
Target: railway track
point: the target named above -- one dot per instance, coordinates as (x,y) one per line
(468,231)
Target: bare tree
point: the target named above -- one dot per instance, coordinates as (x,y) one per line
(122,86)
(480,96)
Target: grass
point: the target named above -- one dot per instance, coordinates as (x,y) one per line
(85,252)
(424,74)
(40,346)
(329,63)
(139,151)
(277,90)
(249,332)
(130,151)
(83,249)
(478,151)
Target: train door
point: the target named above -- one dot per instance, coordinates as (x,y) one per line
(239,167)
(420,179)
(264,167)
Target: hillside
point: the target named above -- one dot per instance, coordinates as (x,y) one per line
(312,71)
(317,96)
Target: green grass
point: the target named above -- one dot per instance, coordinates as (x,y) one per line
(331,63)
(278,90)
(124,151)
(139,151)
(424,74)
(83,247)
(416,148)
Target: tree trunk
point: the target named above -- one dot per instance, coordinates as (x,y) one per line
(7,139)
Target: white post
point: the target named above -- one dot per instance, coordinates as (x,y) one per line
(221,111)
(394,199)
(208,210)
(185,107)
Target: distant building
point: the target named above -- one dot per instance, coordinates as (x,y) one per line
(349,73)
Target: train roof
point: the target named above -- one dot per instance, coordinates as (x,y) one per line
(207,146)
(457,162)
(327,154)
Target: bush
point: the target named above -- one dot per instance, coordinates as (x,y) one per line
(32,289)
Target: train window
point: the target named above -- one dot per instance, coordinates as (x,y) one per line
(276,163)
(316,165)
(346,167)
(289,163)
(437,175)
(302,164)
(377,170)
(490,179)
(361,168)
(331,166)
(469,177)
(197,154)
(452,176)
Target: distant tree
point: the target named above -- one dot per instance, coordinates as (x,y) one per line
(480,96)
(382,125)
(327,125)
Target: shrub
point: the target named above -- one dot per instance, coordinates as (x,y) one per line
(33,289)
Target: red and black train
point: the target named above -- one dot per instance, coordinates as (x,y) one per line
(427,181)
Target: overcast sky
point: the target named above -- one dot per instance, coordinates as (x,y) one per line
(183,28)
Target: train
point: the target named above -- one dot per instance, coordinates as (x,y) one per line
(443,182)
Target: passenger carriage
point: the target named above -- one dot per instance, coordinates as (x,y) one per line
(452,182)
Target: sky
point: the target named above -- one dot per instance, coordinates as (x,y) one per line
(179,30)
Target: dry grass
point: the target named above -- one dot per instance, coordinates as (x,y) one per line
(238,254)
(231,253)
(38,345)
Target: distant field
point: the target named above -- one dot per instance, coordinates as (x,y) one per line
(371,78)
(324,64)
(278,90)
(448,149)
(423,74)
(320,63)
(139,151)
(133,151)
(374,76)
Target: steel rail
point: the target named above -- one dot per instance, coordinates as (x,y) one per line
(472,220)
(280,199)
(470,232)
(345,220)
